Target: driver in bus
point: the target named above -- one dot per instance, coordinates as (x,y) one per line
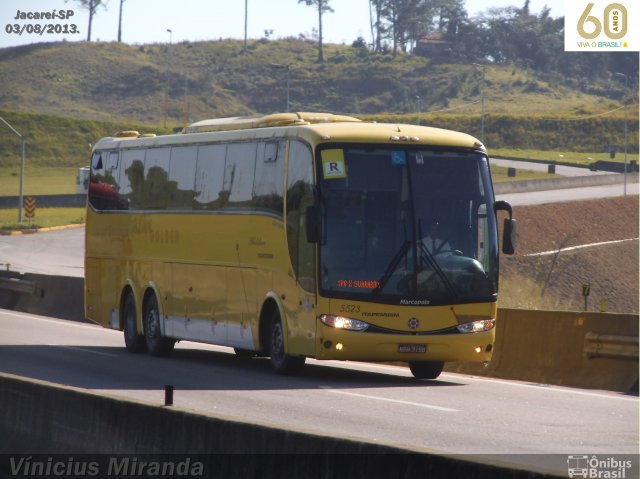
(439,238)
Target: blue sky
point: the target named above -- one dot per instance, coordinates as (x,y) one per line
(147,21)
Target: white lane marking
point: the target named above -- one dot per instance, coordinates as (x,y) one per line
(571,248)
(403,371)
(395,401)
(545,387)
(84,350)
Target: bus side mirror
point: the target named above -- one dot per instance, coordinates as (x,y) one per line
(311,223)
(509,229)
(509,236)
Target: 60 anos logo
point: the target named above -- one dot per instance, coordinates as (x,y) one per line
(614,22)
(602,25)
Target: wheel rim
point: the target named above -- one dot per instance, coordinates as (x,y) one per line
(153,323)
(277,342)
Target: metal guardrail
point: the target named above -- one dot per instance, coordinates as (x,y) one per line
(610,346)
(18,285)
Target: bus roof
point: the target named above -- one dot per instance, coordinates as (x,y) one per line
(316,128)
(266,121)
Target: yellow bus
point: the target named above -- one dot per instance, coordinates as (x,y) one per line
(297,235)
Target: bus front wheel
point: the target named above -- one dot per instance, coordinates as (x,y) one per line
(156,343)
(133,341)
(426,369)
(282,363)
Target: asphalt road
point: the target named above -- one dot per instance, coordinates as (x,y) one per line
(508,421)
(568,194)
(58,252)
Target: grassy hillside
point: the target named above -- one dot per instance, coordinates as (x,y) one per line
(64,96)
(118,82)
(54,141)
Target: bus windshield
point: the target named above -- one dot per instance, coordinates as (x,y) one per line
(407,226)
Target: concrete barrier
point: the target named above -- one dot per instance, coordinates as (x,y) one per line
(56,296)
(600,165)
(525,186)
(552,347)
(39,418)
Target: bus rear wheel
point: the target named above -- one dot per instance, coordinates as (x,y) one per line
(133,340)
(157,345)
(426,369)
(282,362)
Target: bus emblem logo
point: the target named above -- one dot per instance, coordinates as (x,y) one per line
(414,323)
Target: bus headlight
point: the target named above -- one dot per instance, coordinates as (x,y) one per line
(340,322)
(477,326)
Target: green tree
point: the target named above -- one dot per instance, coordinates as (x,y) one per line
(448,16)
(414,18)
(405,22)
(323,7)
(377,27)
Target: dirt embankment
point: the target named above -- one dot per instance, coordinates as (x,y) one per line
(555,281)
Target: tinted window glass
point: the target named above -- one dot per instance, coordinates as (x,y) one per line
(131,179)
(210,176)
(182,177)
(238,174)
(407,226)
(268,184)
(247,175)
(103,185)
(156,185)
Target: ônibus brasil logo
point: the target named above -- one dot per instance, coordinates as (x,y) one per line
(597,467)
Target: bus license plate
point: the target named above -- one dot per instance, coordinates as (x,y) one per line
(412,348)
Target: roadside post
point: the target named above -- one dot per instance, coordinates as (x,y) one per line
(586,289)
(29,208)
(21,167)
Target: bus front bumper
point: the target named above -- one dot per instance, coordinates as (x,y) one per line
(363,346)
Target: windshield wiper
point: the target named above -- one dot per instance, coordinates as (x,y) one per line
(384,279)
(428,258)
(402,253)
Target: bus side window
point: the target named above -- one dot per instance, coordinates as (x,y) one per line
(130,174)
(210,177)
(182,177)
(112,162)
(269,177)
(155,192)
(240,167)
(103,187)
(299,197)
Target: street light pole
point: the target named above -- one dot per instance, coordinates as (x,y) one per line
(626,92)
(246,21)
(20,198)
(166,88)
